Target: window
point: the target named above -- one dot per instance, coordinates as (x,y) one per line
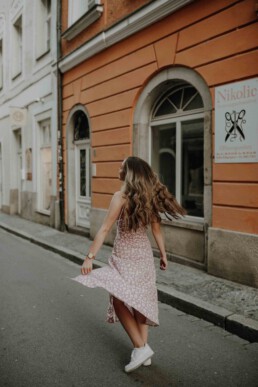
(1,65)
(77,8)
(45,165)
(81,14)
(177,145)
(17,48)
(43,27)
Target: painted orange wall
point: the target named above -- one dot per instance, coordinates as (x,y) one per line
(217,39)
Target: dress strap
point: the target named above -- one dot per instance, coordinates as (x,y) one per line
(121,213)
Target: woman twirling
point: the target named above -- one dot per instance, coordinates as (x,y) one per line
(130,277)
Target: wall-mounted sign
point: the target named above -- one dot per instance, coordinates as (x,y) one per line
(236,122)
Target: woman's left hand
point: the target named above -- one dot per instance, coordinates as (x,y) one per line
(87,266)
(163,262)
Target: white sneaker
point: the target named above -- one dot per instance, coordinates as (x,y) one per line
(147,362)
(138,357)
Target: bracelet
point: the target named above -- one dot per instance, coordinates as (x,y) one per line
(90,256)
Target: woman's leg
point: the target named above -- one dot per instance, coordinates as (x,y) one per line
(128,322)
(142,326)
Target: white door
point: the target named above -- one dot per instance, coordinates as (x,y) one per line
(83,185)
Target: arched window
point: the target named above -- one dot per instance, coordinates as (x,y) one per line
(177,138)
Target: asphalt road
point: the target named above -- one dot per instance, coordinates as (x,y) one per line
(53,333)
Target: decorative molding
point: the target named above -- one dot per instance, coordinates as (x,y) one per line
(90,17)
(2,25)
(139,20)
(16,7)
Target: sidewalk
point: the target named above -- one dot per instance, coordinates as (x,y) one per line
(227,304)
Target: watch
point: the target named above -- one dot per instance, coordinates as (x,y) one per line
(90,256)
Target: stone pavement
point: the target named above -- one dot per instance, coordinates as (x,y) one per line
(227,304)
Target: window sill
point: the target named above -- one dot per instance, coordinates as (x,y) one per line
(197,225)
(42,55)
(86,20)
(14,77)
(43,212)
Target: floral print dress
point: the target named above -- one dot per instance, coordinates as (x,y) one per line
(130,275)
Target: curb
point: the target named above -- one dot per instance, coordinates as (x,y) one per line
(239,325)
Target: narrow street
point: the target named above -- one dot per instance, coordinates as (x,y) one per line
(53,333)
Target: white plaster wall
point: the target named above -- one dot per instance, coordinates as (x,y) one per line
(37,83)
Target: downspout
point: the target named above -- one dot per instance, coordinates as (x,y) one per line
(59,118)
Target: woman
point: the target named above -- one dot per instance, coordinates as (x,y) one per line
(130,277)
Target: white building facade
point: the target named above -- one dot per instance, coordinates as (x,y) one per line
(28,109)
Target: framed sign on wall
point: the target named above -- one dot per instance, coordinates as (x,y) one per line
(236,122)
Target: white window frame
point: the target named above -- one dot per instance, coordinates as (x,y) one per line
(17,47)
(40,145)
(42,28)
(175,120)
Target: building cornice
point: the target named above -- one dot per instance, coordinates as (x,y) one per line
(137,21)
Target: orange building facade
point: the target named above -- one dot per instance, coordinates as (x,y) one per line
(140,78)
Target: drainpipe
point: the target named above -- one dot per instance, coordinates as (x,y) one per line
(59,117)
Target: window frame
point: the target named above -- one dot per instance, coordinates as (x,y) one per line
(176,119)
(41,145)
(157,85)
(17,48)
(43,24)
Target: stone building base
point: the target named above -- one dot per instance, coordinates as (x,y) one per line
(233,256)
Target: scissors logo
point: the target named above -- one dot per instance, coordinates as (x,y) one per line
(234,125)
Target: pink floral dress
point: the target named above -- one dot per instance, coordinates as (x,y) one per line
(130,275)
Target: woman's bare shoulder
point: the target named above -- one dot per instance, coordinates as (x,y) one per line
(119,197)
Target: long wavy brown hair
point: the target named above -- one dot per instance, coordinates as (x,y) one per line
(146,197)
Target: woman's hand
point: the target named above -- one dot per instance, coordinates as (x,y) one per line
(87,266)
(163,262)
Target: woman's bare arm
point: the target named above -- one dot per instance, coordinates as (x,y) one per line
(114,210)
(156,231)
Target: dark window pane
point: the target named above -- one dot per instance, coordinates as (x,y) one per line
(164,154)
(81,126)
(192,167)
(167,168)
(186,98)
(195,103)
(189,92)
(176,98)
(82,172)
(165,108)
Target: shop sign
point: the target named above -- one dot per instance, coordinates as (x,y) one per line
(236,122)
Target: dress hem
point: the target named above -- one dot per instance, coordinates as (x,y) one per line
(129,305)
